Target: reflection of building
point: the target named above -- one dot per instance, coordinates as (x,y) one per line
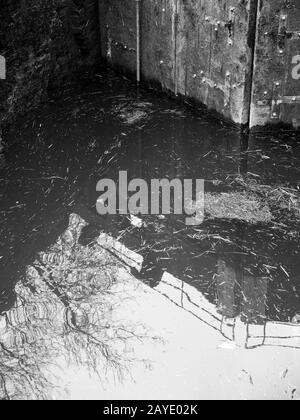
(241,294)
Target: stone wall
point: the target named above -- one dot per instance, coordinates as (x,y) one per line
(45,43)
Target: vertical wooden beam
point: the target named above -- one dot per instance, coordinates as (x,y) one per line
(2,67)
(275,92)
(251,41)
(138,41)
(175,23)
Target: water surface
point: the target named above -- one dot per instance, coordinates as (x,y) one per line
(101,126)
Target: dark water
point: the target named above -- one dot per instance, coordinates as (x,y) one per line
(82,136)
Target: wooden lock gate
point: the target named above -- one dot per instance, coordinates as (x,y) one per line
(241,58)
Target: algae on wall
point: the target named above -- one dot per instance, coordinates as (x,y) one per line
(44,43)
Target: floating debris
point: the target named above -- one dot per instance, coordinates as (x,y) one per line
(235,205)
(136,221)
(132,113)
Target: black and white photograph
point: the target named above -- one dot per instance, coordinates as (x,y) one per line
(149,203)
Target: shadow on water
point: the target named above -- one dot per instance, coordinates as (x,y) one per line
(100,127)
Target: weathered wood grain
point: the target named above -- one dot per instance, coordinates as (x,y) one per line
(238,57)
(276,81)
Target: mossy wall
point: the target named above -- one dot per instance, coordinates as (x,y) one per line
(45,42)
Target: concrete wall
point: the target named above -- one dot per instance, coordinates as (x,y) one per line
(44,43)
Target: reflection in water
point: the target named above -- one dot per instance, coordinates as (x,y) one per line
(2,160)
(241,294)
(247,304)
(254,299)
(64,314)
(226,283)
(246,252)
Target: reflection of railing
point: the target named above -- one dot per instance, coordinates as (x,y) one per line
(273,334)
(244,334)
(252,326)
(189,299)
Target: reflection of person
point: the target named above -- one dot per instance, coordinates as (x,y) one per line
(231,283)
(226,281)
(254,299)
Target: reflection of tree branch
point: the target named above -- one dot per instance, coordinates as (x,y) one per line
(8,352)
(61,296)
(22,376)
(65,301)
(91,343)
(3,386)
(103,347)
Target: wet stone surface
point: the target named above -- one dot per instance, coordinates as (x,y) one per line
(244,257)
